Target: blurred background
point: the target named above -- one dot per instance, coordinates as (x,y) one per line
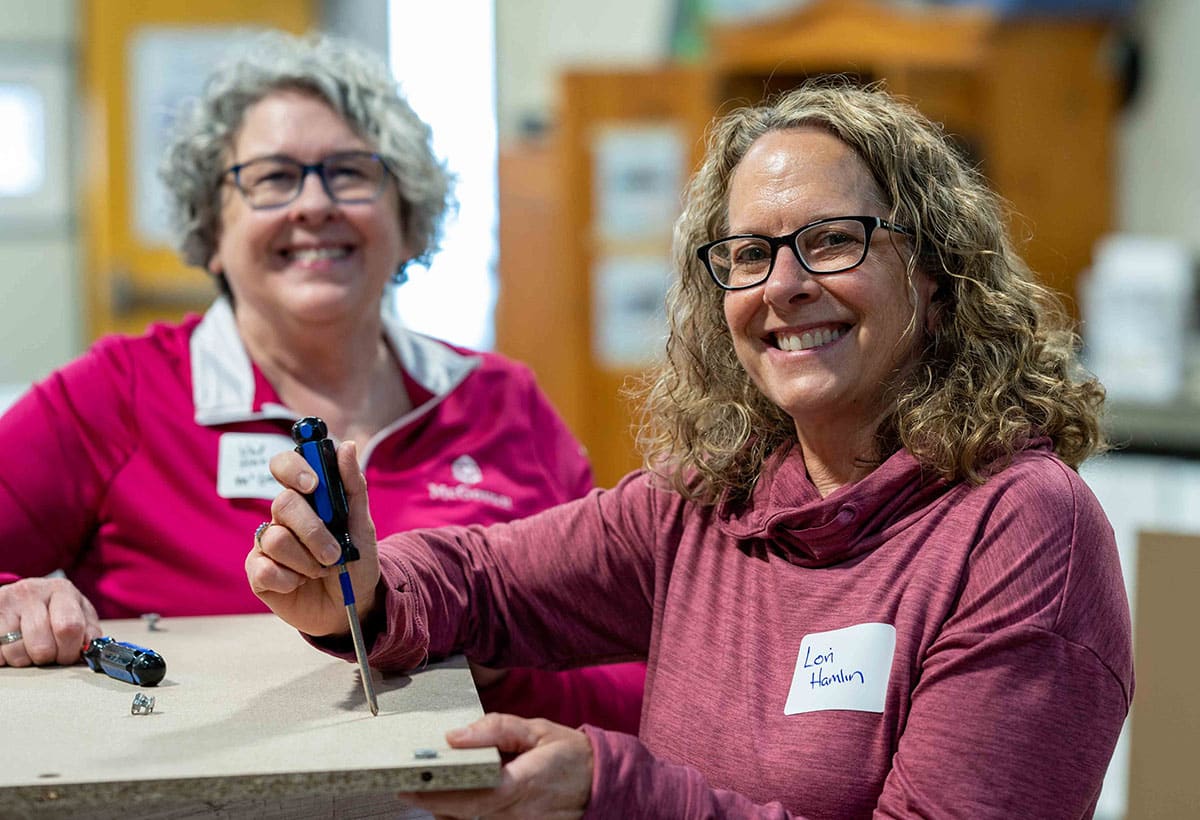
(572,127)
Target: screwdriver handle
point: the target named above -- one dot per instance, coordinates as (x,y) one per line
(125,661)
(328,499)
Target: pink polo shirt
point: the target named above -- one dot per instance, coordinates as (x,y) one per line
(140,469)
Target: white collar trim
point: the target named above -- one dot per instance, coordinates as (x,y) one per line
(223,378)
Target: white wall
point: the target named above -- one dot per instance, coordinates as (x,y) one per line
(1158,185)
(362,20)
(536,39)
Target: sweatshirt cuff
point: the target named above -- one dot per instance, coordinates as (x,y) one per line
(616,761)
(394,633)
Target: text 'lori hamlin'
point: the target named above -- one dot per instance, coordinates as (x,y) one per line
(821,678)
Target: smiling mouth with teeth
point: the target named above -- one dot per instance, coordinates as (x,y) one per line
(316,254)
(808,339)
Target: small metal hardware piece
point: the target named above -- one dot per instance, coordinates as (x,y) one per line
(142,705)
(425,754)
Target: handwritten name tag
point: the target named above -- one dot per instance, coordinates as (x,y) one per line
(242,464)
(843,669)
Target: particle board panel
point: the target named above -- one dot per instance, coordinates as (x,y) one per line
(249,721)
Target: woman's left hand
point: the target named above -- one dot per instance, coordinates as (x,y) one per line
(551,775)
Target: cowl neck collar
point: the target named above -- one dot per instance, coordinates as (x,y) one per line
(787,512)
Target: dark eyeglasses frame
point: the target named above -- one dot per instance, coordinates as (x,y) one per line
(869,223)
(317,168)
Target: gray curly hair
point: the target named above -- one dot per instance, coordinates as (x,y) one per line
(353,81)
(999,369)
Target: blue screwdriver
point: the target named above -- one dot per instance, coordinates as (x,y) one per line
(329,502)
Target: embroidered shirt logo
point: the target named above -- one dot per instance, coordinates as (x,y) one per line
(467,473)
(466,470)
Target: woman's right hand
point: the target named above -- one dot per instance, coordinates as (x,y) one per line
(54,619)
(292,565)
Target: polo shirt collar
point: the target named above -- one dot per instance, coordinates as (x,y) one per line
(223,377)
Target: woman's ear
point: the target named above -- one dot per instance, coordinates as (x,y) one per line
(936,309)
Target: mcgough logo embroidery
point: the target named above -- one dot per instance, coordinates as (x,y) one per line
(466,471)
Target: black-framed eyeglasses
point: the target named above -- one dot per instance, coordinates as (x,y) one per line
(831,245)
(349,177)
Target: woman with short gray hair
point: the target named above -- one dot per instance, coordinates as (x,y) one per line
(303,183)
(354,83)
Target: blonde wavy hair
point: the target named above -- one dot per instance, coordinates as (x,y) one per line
(999,369)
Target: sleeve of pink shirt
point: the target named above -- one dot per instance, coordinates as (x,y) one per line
(524,594)
(608,695)
(61,442)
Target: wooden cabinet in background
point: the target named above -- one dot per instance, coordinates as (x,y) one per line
(551,247)
(1031,100)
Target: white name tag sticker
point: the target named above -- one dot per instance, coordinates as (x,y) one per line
(243,461)
(843,669)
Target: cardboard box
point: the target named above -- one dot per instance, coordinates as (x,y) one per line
(1164,771)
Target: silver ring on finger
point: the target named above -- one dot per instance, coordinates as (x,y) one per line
(10,637)
(259,532)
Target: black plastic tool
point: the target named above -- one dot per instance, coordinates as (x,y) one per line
(125,661)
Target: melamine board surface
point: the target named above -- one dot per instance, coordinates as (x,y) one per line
(249,721)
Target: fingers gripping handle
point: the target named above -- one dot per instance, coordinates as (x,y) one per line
(329,501)
(329,498)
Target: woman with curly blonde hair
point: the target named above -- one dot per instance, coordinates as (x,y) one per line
(865,574)
(998,367)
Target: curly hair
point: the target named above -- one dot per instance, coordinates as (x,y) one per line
(999,369)
(353,81)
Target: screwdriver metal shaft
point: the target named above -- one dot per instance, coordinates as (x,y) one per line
(360,646)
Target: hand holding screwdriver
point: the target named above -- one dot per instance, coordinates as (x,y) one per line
(328,500)
(316,525)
